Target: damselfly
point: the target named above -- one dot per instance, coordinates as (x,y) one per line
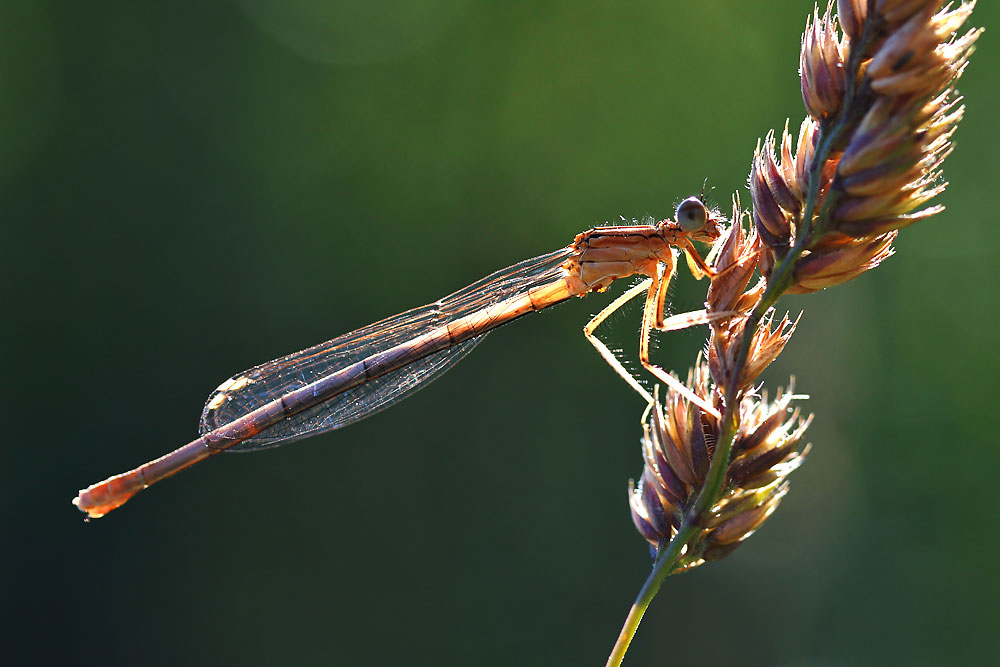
(351,377)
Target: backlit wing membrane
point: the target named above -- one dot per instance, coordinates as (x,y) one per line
(262,384)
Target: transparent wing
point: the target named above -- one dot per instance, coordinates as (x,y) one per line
(256,387)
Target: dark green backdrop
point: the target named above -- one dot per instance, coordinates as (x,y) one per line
(191,188)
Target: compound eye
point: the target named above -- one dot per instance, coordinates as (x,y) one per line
(692,214)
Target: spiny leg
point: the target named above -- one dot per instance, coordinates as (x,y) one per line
(665,272)
(699,268)
(603,350)
(653,316)
(652,319)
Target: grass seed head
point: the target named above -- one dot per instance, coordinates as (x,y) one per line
(851,14)
(778,188)
(895,134)
(730,291)
(678,443)
(822,65)
(923,55)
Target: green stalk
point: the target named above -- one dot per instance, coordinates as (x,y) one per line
(781,279)
(665,562)
(778,282)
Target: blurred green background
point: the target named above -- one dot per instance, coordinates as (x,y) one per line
(190,188)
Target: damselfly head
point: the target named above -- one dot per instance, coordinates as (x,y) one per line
(692,214)
(700,222)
